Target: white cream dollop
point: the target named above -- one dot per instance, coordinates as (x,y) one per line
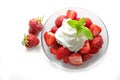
(67,36)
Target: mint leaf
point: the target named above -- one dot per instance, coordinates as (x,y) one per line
(80,28)
(86,32)
(72,23)
(81,21)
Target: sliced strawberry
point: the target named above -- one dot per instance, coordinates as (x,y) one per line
(75,59)
(94,50)
(87,56)
(66,59)
(62,52)
(49,38)
(54,48)
(54,29)
(95,29)
(88,22)
(59,20)
(97,42)
(71,14)
(86,48)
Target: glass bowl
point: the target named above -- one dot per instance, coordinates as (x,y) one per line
(81,13)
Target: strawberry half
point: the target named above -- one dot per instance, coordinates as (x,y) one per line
(71,14)
(54,29)
(49,38)
(62,52)
(59,20)
(30,41)
(95,29)
(88,22)
(65,60)
(94,50)
(54,48)
(86,48)
(75,59)
(87,56)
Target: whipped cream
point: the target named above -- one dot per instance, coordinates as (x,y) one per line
(67,36)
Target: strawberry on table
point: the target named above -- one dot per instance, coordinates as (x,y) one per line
(95,29)
(97,42)
(86,48)
(49,38)
(59,20)
(88,22)
(35,26)
(75,59)
(71,14)
(30,41)
(62,52)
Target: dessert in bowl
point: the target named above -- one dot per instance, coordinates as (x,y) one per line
(74,38)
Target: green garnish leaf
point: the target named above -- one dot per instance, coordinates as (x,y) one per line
(80,28)
(81,21)
(72,23)
(86,32)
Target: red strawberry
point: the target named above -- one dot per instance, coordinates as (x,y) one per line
(66,59)
(77,18)
(94,50)
(87,56)
(97,42)
(30,40)
(54,48)
(62,52)
(95,29)
(71,14)
(59,20)
(86,48)
(54,29)
(35,26)
(75,59)
(88,22)
(49,38)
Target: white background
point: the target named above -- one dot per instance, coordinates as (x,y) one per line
(19,63)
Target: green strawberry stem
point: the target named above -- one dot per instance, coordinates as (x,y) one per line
(40,19)
(25,41)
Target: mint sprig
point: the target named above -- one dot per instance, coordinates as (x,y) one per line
(80,28)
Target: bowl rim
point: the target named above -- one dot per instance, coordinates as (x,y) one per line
(83,69)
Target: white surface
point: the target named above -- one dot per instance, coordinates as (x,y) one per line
(18,63)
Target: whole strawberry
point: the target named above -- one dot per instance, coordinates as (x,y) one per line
(30,41)
(97,42)
(35,26)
